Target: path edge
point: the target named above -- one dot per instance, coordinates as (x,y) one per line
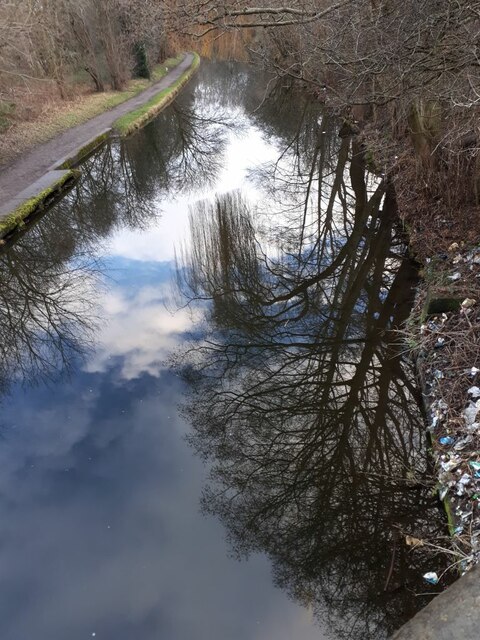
(139,117)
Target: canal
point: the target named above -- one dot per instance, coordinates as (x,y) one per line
(209,425)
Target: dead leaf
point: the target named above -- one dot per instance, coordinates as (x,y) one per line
(414,542)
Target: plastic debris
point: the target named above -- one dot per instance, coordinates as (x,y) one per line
(464,480)
(455,276)
(470,413)
(463,442)
(443,491)
(453,397)
(474,427)
(451,464)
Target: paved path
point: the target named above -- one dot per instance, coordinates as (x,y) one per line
(32,165)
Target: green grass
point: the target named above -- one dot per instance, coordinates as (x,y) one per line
(138,117)
(6,110)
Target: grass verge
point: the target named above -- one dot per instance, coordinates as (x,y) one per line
(136,119)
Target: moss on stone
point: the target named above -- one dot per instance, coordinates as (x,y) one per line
(450,516)
(17,217)
(84,151)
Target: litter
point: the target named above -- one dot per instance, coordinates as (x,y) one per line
(455,276)
(443,492)
(446,440)
(461,444)
(451,464)
(470,413)
(430,577)
(474,392)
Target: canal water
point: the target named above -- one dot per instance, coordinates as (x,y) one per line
(209,428)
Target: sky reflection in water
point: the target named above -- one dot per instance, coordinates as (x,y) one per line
(100,526)
(100,523)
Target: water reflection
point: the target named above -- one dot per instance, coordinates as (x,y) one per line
(50,277)
(298,392)
(47,309)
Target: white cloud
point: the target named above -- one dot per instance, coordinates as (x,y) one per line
(142,331)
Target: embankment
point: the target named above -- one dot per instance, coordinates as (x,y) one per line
(30,184)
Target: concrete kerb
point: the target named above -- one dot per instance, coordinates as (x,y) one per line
(453,615)
(82,153)
(35,197)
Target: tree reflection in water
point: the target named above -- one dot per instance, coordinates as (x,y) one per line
(49,274)
(298,393)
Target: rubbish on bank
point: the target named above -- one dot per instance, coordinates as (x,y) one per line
(446,440)
(455,276)
(431,577)
(463,442)
(470,412)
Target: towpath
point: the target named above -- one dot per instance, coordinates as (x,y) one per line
(31,166)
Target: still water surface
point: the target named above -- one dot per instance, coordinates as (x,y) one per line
(207,427)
